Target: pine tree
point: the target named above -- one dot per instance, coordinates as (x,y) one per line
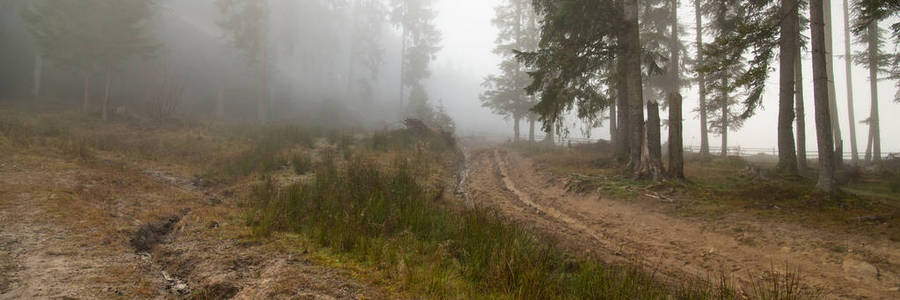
(832,97)
(247,23)
(366,19)
(419,41)
(826,182)
(590,55)
(802,22)
(873,58)
(676,138)
(701,82)
(630,40)
(802,163)
(868,14)
(90,36)
(505,93)
(418,105)
(724,66)
(662,79)
(787,157)
(848,70)
(756,29)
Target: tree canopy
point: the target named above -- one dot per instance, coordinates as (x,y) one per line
(90,35)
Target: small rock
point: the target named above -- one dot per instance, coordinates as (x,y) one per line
(144,256)
(180,288)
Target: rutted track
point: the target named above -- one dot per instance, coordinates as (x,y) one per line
(619,232)
(89,231)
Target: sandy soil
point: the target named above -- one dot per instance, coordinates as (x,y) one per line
(107,229)
(629,232)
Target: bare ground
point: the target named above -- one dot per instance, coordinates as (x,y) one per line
(106,229)
(735,246)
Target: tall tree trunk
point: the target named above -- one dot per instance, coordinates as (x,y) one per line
(704,129)
(85,102)
(824,132)
(802,162)
(531,121)
(354,7)
(105,112)
(623,136)
(724,131)
(874,122)
(632,56)
(220,104)
(651,164)
(516,119)
(550,138)
(832,101)
(262,105)
(725,116)
(676,140)
(38,69)
(613,138)
(869,143)
(787,157)
(848,59)
(401,109)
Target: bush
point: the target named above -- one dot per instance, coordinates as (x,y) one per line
(302,164)
(266,149)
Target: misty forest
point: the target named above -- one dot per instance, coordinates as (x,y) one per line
(450,149)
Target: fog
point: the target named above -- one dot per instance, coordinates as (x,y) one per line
(324,71)
(469,38)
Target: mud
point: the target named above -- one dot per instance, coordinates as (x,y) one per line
(151,234)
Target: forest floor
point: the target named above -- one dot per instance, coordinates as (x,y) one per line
(645,231)
(115,230)
(110,224)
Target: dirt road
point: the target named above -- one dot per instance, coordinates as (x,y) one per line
(623,232)
(105,229)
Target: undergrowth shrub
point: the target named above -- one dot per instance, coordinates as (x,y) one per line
(266,147)
(79,148)
(403,140)
(302,164)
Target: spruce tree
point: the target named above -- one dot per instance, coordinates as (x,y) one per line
(505,94)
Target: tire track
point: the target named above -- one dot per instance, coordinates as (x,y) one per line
(549,211)
(735,246)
